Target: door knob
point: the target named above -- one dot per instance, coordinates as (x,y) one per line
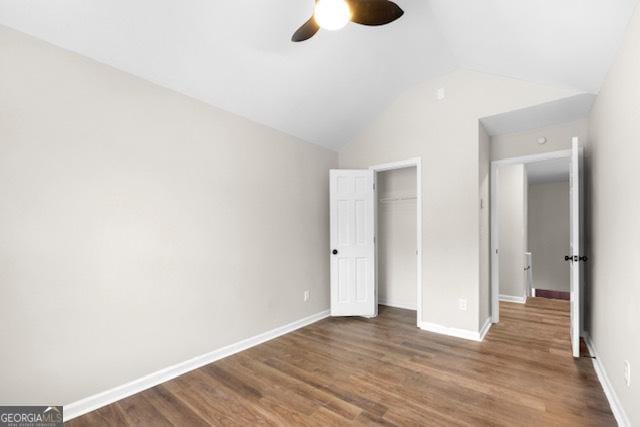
(335,252)
(576,258)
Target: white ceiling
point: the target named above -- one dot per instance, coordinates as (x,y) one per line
(236,55)
(554,170)
(537,116)
(567,43)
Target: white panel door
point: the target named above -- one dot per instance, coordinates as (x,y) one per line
(352,243)
(576,257)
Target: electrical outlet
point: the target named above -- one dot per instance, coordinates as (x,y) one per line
(440,95)
(627,373)
(306,296)
(462,304)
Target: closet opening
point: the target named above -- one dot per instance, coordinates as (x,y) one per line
(398,239)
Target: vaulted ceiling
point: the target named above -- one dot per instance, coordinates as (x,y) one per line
(237,55)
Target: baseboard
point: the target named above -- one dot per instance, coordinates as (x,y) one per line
(552,294)
(457,332)
(612,397)
(396,304)
(485,328)
(510,298)
(96,401)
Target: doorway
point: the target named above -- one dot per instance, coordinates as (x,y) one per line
(396,241)
(398,231)
(548,229)
(516,229)
(533,208)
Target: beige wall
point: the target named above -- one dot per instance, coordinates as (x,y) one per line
(512,222)
(613,273)
(445,135)
(139,227)
(548,226)
(396,237)
(525,143)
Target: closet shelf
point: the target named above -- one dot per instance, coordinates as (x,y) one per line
(397,199)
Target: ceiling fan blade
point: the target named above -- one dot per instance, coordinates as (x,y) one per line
(374,12)
(306,31)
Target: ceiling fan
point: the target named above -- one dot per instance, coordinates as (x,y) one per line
(334,14)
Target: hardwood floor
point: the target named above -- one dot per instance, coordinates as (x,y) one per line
(385,371)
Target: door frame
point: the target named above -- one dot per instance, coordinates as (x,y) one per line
(495,238)
(417,163)
(576,189)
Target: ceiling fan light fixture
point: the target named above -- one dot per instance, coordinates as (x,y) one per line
(332,15)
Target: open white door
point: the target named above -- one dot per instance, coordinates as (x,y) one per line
(352,245)
(576,257)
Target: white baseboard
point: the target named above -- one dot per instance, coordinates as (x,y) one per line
(96,401)
(396,304)
(485,328)
(612,397)
(510,298)
(457,332)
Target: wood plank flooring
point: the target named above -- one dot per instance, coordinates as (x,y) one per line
(385,371)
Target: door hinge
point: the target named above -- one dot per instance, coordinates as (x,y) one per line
(374,186)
